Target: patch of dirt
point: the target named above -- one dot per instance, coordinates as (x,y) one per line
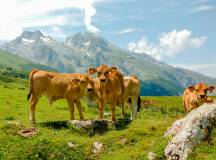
(123,140)
(147,102)
(28,132)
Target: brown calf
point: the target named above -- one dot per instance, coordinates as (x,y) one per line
(195,96)
(109,87)
(132,94)
(132,90)
(56,86)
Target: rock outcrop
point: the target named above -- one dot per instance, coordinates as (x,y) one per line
(92,126)
(190,131)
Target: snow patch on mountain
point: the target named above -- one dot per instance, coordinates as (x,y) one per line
(45,39)
(28,40)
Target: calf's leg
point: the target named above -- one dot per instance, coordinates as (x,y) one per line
(33,103)
(112,108)
(122,102)
(78,105)
(71,109)
(134,109)
(101,109)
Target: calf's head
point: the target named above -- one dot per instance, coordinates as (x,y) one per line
(202,89)
(92,85)
(103,72)
(83,82)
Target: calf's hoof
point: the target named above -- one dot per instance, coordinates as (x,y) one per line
(122,115)
(32,122)
(113,119)
(82,118)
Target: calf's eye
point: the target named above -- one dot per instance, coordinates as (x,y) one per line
(106,72)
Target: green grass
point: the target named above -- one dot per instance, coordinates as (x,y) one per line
(135,141)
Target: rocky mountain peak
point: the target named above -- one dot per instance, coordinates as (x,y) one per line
(32,35)
(29,37)
(87,41)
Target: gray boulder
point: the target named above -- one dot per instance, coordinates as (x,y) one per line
(190,131)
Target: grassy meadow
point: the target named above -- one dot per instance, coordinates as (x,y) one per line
(132,141)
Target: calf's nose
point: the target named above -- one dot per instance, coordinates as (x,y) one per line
(202,96)
(102,80)
(89,89)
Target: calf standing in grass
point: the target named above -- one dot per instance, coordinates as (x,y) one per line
(109,87)
(57,86)
(132,94)
(195,96)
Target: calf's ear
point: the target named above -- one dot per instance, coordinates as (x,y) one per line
(191,88)
(92,70)
(76,80)
(211,88)
(113,69)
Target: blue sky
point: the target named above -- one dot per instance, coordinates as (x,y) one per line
(180,33)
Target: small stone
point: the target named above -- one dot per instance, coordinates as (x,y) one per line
(97,147)
(151,156)
(123,140)
(92,126)
(71,144)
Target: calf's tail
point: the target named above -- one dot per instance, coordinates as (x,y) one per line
(31,83)
(138,103)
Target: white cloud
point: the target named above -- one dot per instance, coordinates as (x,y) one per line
(144,46)
(18,14)
(56,32)
(175,42)
(56,29)
(170,44)
(201,8)
(206,69)
(89,12)
(127,30)
(197,42)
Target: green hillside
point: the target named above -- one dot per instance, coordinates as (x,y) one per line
(159,87)
(10,60)
(13,66)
